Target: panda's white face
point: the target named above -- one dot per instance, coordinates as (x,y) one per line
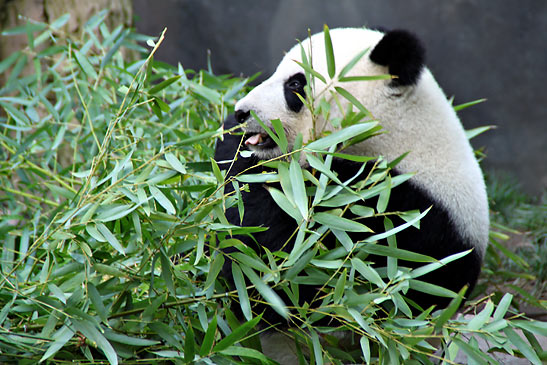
(276,98)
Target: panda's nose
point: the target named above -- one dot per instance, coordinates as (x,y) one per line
(241,116)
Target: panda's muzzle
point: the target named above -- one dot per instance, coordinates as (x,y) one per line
(254,139)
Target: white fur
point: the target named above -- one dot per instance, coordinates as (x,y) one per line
(420,121)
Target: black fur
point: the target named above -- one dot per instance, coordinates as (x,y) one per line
(437,237)
(403,54)
(294,85)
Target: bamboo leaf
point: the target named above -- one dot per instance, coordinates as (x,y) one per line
(175,162)
(208,340)
(241,288)
(298,188)
(162,85)
(162,199)
(189,345)
(62,336)
(85,65)
(267,293)
(214,270)
(367,272)
(349,66)
(93,334)
(133,341)
(167,333)
(340,136)
(335,222)
(329,52)
(111,239)
(282,201)
(503,306)
(237,334)
(247,352)
(352,99)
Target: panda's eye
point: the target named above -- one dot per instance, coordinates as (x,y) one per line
(294,84)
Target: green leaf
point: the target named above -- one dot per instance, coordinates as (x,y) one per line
(246,352)
(383,199)
(8,61)
(237,334)
(426,269)
(329,52)
(162,199)
(468,104)
(133,341)
(522,346)
(352,99)
(175,162)
(298,188)
(284,203)
(362,211)
(367,272)
(280,132)
(365,78)
(62,336)
(449,311)
(189,345)
(317,350)
(258,178)
(252,261)
(349,66)
(214,270)
(169,334)
(340,287)
(93,334)
(85,64)
(479,320)
(112,240)
(365,348)
(166,272)
(503,306)
(207,344)
(162,85)
(97,301)
(60,21)
(94,232)
(432,289)
(381,236)
(472,133)
(216,172)
(241,288)
(311,71)
(340,136)
(267,293)
(115,212)
(335,222)
(474,353)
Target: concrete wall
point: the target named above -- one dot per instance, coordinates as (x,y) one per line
(477,49)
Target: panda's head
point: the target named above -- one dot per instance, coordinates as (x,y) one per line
(397,53)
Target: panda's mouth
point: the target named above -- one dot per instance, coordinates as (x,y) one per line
(259,140)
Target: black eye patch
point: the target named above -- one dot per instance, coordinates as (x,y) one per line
(295,85)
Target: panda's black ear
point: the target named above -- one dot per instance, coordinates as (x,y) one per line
(403,54)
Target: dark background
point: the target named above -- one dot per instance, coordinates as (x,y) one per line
(476,49)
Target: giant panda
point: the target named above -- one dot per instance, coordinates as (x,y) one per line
(416,117)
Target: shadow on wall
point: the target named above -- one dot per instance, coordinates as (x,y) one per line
(475,49)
